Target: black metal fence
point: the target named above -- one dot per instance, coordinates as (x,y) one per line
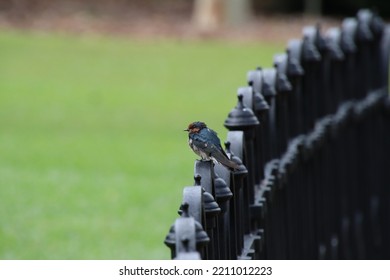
(312,137)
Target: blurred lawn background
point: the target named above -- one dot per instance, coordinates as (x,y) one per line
(93,157)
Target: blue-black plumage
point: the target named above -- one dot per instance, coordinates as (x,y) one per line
(205,143)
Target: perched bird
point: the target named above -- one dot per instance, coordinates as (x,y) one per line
(205,143)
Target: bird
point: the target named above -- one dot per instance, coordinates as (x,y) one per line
(206,144)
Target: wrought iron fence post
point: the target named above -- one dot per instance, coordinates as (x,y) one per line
(243,119)
(254,102)
(377,27)
(268,90)
(205,170)
(193,197)
(236,204)
(176,239)
(294,74)
(222,195)
(385,57)
(335,60)
(185,236)
(284,90)
(260,107)
(386,182)
(313,95)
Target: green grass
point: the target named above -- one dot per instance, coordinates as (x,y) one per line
(93,157)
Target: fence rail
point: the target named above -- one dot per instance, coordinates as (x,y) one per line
(312,138)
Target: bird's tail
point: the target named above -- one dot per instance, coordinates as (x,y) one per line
(226,162)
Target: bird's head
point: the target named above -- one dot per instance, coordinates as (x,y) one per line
(195,127)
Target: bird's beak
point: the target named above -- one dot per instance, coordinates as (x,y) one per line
(186,129)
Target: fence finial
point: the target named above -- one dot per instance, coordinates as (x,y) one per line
(241,117)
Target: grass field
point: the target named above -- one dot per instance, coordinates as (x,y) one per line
(93,157)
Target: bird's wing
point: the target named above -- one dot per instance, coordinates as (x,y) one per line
(221,157)
(214,139)
(206,143)
(199,142)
